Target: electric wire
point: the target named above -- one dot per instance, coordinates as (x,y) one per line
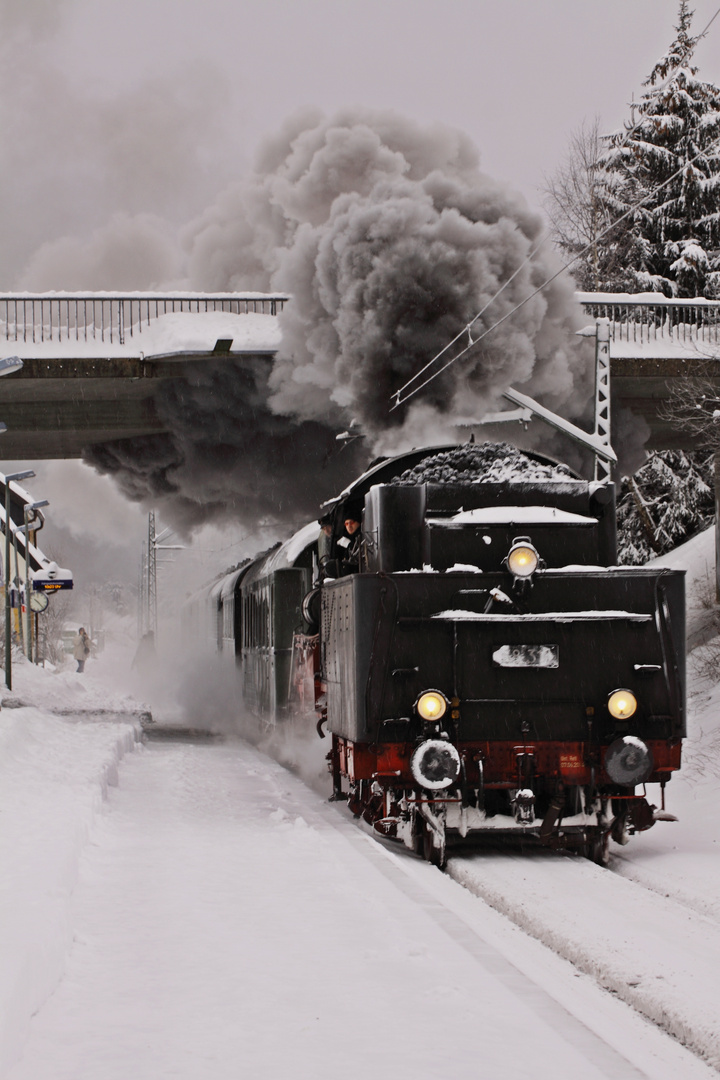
(467,329)
(548,281)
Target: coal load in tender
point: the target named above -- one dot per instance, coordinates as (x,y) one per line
(482,462)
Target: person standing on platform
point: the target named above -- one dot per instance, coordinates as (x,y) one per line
(81,648)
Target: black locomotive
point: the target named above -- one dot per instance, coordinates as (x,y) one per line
(484,666)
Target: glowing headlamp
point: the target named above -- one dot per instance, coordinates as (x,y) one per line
(622,704)
(522,558)
(431,705)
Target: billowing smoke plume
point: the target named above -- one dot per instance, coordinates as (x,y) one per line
(227,456)
(389,240)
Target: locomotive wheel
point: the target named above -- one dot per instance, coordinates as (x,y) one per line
(597,848)
(436,856)
(418,836)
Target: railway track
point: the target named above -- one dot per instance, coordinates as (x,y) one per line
(651,952)
(656,953)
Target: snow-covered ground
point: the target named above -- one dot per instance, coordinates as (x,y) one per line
(194,910)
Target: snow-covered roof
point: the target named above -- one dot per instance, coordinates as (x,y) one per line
(520,515)
(285,556)
(41,568)
(229,582)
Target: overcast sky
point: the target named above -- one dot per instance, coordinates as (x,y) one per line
(152,105)
(518,75)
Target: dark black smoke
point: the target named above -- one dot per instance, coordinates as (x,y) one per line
(390,239)
(226,456)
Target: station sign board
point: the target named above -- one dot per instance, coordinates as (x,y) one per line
(51,578)
(45,585)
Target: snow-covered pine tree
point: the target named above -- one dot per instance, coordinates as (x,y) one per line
(672,242)
(666,502)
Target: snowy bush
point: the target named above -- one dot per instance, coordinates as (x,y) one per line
(666,502)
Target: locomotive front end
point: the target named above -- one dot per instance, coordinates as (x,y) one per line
(492,672)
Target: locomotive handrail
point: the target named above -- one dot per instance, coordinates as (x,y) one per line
(670,671)
(544,616)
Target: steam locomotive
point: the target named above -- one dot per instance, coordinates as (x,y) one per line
(485,669)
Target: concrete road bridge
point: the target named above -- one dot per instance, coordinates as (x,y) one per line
(654,343)
(93,362)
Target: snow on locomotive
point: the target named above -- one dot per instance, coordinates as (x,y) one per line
(487,668)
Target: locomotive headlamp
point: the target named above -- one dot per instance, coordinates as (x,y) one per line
(435,764)
(622,704)
(628,761)
(431,705)
(522,558)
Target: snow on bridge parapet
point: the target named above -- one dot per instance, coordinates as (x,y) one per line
(61,324)
(650,325)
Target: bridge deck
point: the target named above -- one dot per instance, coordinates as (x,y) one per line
(93,363)
(654,342)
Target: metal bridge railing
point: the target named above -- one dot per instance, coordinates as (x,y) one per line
(112,317)
(653,318)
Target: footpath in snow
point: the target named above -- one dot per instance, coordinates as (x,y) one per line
(62,739)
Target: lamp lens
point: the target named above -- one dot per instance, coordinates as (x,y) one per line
(431,705)
(622,704)
(523,560)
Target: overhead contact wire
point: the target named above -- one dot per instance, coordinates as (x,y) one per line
(401,401)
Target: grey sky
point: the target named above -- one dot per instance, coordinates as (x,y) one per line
(130,107)
(517,75)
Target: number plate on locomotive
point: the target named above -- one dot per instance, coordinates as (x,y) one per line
(540,656)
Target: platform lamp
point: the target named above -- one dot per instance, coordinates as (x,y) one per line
(28,509)
(27,474)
